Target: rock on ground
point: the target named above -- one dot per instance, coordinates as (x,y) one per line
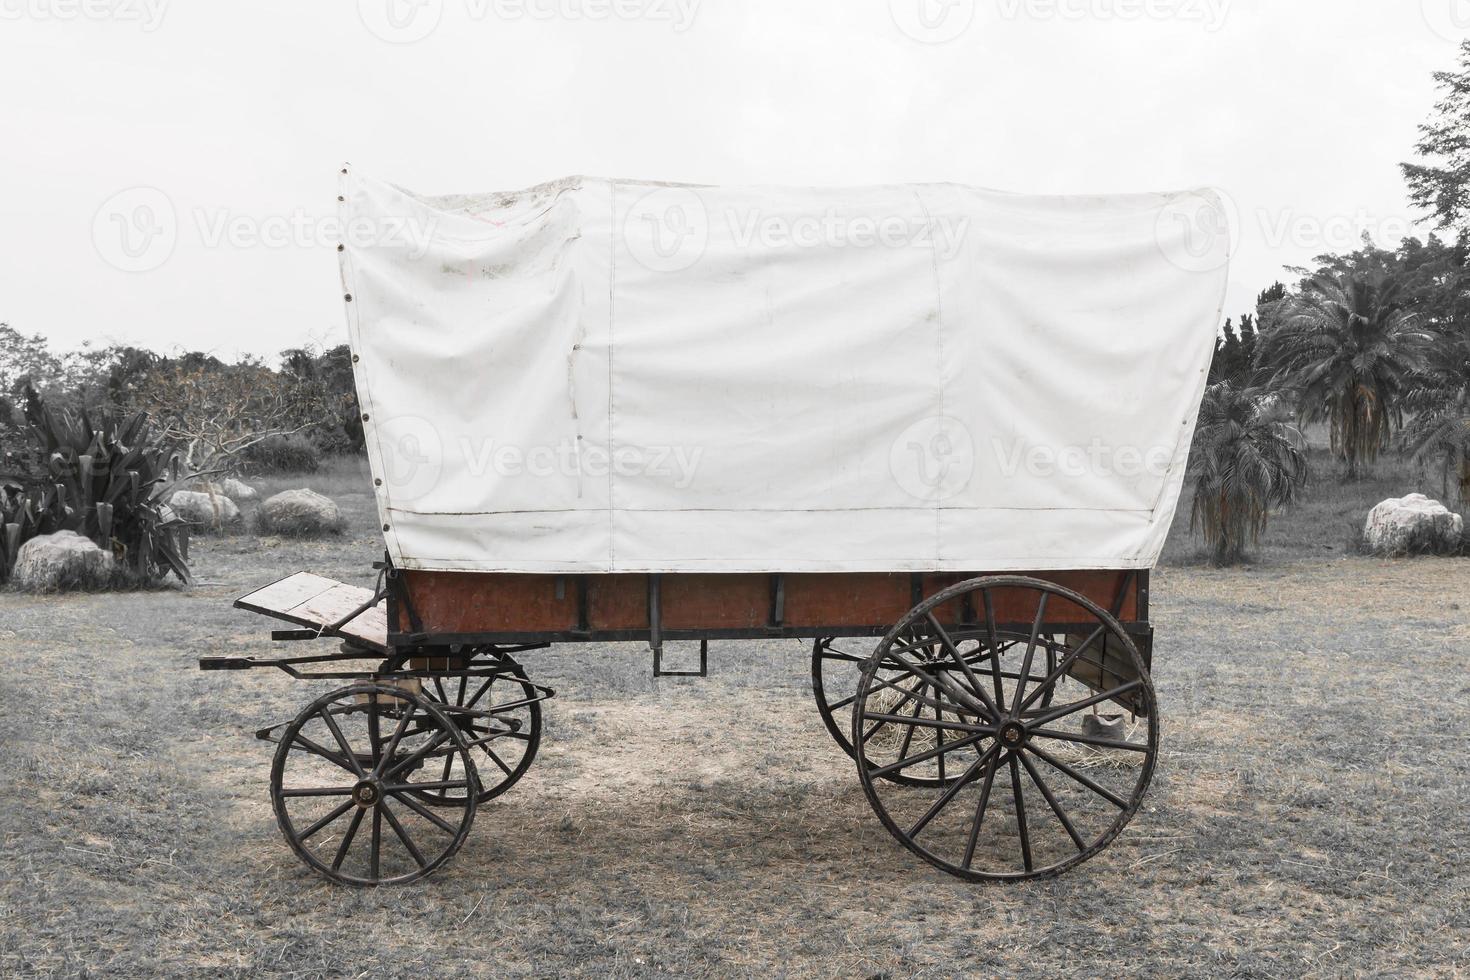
(1413,525)
(298,513)
(64,560)
(239,492)
(209,510)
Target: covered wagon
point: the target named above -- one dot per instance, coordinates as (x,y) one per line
(938,431)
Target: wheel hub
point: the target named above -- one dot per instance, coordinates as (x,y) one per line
(366,793)
(1012,734)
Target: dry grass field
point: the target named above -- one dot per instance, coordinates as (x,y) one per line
(1309,814)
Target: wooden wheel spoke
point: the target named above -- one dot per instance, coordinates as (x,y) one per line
(990,630)
(348,763)
(496,759)
(1051,801)
(1025,671)
(393,742)
(980,811)
(954,651)
(1075,706)
(1081,739)
(439,784)
(335,812)
(928,754)
(347,752)
(908,735)
(1062,668)
(347,839)
(478,694)
(831,654)
(908,695)
(317,791)
(949,794)
(1020,814)
(1085,780)
(375,861)
(402,834)
(417,755)
(912,694)
(425,812)
(963,699)
(913,721)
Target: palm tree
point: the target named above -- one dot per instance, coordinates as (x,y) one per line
(1440,430)
(1244,461)
(1350,350)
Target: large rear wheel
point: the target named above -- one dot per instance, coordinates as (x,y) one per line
(1023,785)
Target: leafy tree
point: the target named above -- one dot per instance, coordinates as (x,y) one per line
(1350,350)
(1227,358)
(1441,184)
(1243,462)
(212,412)
(324,381)
(1440,431)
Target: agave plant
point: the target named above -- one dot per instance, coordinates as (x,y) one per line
(102,479)
(1244,461)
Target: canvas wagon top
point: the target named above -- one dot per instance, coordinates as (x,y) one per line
(600,375)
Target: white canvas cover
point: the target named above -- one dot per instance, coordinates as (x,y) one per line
(620,376)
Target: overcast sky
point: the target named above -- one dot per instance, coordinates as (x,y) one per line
(168,173)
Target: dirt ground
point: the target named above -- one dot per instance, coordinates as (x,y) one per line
(1308,815)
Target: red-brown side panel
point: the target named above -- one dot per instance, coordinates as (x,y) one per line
(475,602)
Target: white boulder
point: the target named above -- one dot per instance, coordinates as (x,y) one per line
(209,510)
(1412,525)
(298,513)
(239,492)
(64,560)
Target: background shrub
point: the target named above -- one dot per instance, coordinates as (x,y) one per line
(296,453)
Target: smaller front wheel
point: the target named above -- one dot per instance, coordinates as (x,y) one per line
(348,780)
